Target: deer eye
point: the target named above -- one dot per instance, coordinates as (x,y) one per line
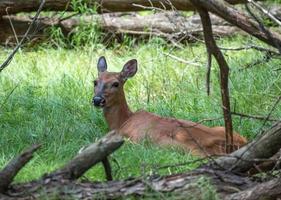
(115,84)
(95,83)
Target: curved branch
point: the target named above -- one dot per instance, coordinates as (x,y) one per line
(93,154)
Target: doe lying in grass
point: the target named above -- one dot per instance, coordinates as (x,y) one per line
(197,138)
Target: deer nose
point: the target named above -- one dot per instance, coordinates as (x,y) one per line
(98,101)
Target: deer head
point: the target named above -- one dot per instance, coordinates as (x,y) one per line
(108,87)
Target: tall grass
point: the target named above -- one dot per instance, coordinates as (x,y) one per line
(45,97)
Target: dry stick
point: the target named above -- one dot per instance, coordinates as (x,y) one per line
(14,166)
(266,12)
(224,71)
(208,74)
(10,57)
(182,60)
(12,26)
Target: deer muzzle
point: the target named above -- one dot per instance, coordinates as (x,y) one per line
(98,101)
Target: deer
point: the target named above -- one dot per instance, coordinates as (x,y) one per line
(192,137)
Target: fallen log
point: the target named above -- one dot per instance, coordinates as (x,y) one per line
(168,25)
(16,6)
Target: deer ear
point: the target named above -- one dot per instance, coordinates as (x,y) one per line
(102,66)
(129,69)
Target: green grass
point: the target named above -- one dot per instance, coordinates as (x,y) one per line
(45,97)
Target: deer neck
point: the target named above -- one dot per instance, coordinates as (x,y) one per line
(117,114)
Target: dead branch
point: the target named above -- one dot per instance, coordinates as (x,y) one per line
(96,152)
(10,57)
(213,49)
(278,100)
(241,20)
(14,166)
(182,60)
(266,12)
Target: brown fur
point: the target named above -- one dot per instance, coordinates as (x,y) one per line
(196,138)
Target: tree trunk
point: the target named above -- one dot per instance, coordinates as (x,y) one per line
(16,6)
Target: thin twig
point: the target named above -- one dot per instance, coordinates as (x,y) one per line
(264,30)
(266,12)
(254,117)
(265,59)
(182,60)
(208,74)
(12,26)
(258,48)
(270,112)
(148,7)
(8,96)
(10,57)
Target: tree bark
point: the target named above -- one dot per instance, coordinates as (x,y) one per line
(16,6)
